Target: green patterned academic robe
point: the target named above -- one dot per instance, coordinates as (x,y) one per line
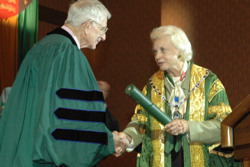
(206,107)
(55,112)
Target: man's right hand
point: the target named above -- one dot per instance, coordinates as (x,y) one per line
(121,143)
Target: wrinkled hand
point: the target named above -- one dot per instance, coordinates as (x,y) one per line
(121,143)
(177,126)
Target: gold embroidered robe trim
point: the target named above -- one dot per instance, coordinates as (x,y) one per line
(216,87)
(221,154)
(157,128)
(220,110)
(196,112)
(211,151)
(141,118)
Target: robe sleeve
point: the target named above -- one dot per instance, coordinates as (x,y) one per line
(133,127)
(208,131)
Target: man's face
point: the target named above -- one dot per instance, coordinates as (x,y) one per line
(96,33)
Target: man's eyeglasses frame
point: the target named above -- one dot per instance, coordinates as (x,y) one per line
(104,29)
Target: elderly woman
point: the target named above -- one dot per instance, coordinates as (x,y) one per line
(192,96)
(55,112)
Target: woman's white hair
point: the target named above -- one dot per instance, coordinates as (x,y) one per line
(83,10)
(178,38)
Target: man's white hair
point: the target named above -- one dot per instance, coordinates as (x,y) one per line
(84,10)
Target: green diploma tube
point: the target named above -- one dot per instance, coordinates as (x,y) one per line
(136,94)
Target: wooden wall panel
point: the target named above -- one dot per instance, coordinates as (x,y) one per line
(219,32)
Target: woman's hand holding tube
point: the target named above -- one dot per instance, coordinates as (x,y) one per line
(177,126)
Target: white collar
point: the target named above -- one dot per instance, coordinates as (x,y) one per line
(177,79)
(72,34)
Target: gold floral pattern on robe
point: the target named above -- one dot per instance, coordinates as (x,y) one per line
(221,110)
(157,128)
(196,113)
(216,87)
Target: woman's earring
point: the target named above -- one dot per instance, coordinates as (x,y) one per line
(179,56)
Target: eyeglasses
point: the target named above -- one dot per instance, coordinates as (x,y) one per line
(104,29)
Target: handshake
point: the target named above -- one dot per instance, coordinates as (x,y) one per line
(121,141)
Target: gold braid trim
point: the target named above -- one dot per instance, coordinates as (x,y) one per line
(221,154)
(211,151)
(140,117)
(213,146)
(221,110)
(196,113)
(216,87)
(157,128)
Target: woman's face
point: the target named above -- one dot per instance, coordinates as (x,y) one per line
(166,55)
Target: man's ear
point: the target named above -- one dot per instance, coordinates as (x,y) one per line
(86,25)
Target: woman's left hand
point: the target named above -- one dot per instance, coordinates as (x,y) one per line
(177,126)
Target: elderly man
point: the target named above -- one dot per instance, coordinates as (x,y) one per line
(55,113)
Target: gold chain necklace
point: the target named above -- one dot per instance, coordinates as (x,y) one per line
(177,105)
